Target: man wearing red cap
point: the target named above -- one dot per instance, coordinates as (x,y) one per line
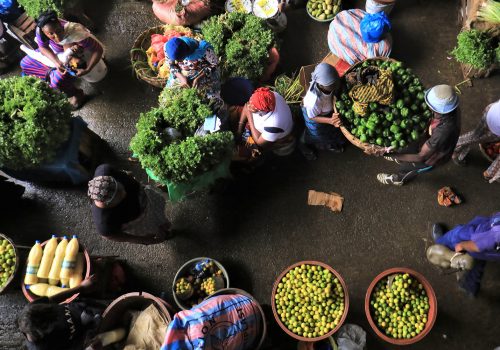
(268,120)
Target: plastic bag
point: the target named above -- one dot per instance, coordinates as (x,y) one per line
(351,337)
(374,26)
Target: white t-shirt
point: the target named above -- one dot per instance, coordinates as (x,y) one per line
(276,124)
(315,105)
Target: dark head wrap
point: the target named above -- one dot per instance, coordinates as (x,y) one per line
(46,18)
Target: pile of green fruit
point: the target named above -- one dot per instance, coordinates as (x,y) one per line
(323,10)
(399,306)
(309,301)
(7,261)
(395,125)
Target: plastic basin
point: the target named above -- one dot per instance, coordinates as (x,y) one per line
(431,316)
(346,301)
(185,269)
(86,273)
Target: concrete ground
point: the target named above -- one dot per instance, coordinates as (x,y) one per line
(260,223)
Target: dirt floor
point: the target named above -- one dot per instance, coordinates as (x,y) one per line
(259,224)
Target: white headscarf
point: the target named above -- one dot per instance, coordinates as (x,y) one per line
(493,118)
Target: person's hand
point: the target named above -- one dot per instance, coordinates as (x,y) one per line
(197,79)
(335,120)
(81,72)
(378,151)
(89,282)
(183,81)
(60,67)
(459,247)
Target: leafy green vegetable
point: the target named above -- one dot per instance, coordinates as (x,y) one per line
(34,122)
(242,42)
(173,157)
(475,48)
(490,12)
(34,7)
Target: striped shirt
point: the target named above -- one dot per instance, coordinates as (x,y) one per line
(346,42)
(88,44)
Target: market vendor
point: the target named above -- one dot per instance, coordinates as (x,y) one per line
(230,322)
(349,40)
(480,238)
(264,124)
(53,37)
(125,211)
(486,131)
(49,325)
(321,131)
(194,63)
(437,150)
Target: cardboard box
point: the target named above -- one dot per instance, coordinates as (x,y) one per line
(306,71)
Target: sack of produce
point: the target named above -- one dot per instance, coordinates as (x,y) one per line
(221,322)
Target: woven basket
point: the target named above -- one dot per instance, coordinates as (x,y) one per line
(16,267)
(350,137)
(139,58)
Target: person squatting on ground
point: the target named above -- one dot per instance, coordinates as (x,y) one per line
(321,131)
(480,238)
(486,131)
(437,150)
(49,325)
(53,37)
(194,63)
(125,211)
(265,123)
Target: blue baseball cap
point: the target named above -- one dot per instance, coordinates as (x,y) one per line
(441,99)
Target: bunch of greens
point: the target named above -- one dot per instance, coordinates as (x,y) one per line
(183,109)
(396,125)
(164,142)
(34,122)
(475,48)
(34,7)
(490,12)
(289,88)
(242,41)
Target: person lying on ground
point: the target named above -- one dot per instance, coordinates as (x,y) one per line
(321,131)
(437,150)
(48,325)
(53,36)
(265,123)
(125,211)
(486,131)
(194,63)
(480,238)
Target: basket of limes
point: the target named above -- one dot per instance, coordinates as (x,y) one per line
(401,306)
(310,301)
(9,262)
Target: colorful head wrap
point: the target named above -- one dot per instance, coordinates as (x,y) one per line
(103,189)
(263,99)
(176,49)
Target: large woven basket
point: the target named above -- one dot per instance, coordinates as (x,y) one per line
(350,137)
(139,58)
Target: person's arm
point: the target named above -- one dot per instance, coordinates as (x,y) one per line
(256,135)
(333,120)
(243,120)
(97,51)
(84,287)
(425,153)
(468,246)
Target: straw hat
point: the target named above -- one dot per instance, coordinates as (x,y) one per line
(441,99)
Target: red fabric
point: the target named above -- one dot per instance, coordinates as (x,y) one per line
(263,99)
(341,67)
(158,43)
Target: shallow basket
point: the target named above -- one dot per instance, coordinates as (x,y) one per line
(16,267)
(184,269)
(350,137)
(431,316)
(86,273)
(346,301)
